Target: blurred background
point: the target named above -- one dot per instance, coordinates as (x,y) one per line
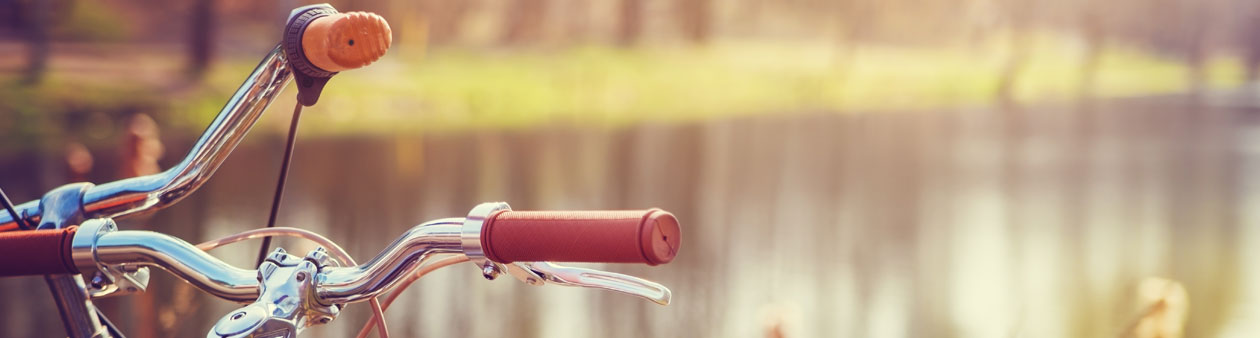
(842,168)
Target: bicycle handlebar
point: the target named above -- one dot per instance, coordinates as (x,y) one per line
(633,236)
(144,194)
(590,236)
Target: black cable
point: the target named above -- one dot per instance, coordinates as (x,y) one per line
(109,326)
(8,205)
(284,175)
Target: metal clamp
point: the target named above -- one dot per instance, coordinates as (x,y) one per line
(470,237)
(104,280)
(287,302)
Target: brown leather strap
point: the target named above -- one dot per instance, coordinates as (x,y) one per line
(36,252)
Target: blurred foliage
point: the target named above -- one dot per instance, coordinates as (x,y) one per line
(58,110)
(91,21)
(461,88)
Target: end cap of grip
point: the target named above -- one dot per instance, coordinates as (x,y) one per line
(659,237)
(310,79)
(319,42)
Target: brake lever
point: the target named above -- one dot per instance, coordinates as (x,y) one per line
(540,273)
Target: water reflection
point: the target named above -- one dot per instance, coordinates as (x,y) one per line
(955,223)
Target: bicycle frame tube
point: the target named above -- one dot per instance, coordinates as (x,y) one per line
(145,194)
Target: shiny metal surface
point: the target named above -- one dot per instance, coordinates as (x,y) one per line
(352,284)
(146,248)
(60,206)
(104,280)
(149,193)
(153,192)
(337,285)
(589,278)
(470,237)
(98,247)
(79,316)
(286,304)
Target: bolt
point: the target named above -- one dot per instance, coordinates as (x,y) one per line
(301,276)
(325,320)
(238,315)
(98,281)
(489,271)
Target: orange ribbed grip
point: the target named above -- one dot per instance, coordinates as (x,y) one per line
(346,41)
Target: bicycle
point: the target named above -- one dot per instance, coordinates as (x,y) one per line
(70,237)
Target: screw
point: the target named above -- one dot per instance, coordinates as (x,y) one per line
(98,281)
(489,271)
(301,276)
(238,315)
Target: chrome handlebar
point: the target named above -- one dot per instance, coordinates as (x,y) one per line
(132,250)
(99,249)
(400,258)
(139,195)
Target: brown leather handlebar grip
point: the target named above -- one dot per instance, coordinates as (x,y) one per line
(346,41)
(633,236)
(36,252)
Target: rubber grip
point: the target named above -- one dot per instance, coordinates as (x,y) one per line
(346,41)
(633,236)
(36,252)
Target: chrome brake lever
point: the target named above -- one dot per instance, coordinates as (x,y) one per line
(539,273)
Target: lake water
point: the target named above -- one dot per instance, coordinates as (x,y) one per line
(965,223)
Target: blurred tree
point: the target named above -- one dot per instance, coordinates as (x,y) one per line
(629,22)
(577,21)
(856,18)
(1249,39)
(1180,32)
(523,21)
(445,19)
(1096,21)
(202,26)
(1017,55)
(693,18)
(37,20)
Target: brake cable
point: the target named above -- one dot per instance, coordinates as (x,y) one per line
(8,205)
(284,176)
